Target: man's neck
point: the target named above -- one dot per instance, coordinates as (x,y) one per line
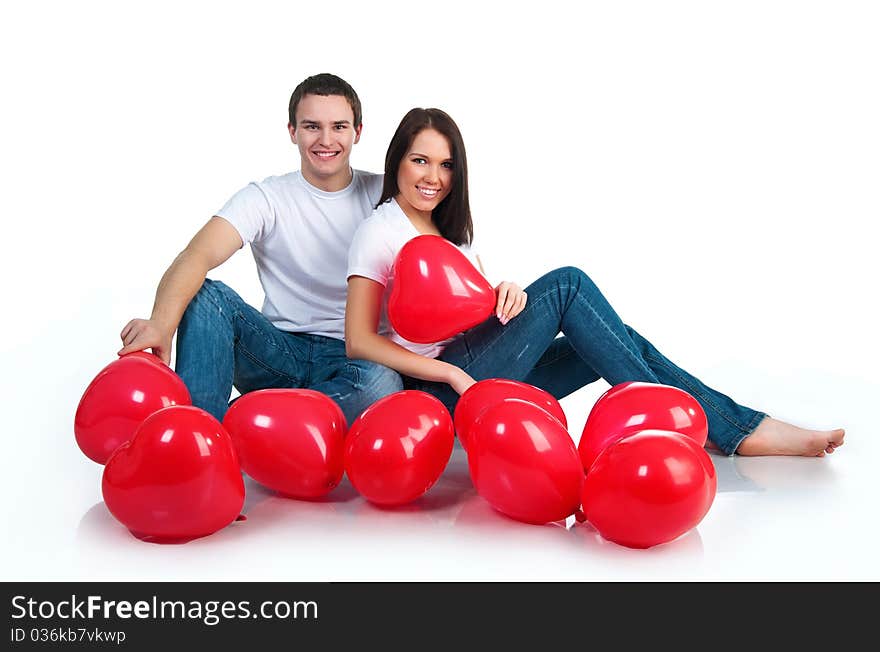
(330,184)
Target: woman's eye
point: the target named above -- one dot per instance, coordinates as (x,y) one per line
(447,165)
(418,159)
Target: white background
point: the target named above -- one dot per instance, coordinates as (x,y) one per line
(712,165)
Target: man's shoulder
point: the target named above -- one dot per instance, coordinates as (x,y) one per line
(371,183)
(369,176)
(280,180)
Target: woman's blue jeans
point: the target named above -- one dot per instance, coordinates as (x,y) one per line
(596,344)
(222,341)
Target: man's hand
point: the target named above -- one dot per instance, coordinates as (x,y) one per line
(142,334)
(511,301)
(460,381)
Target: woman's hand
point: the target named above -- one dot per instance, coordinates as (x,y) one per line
(459,380)
(511,301)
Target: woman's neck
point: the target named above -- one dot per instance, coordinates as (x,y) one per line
(421,220)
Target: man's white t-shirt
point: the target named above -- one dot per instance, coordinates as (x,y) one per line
(300,236)
(372,255)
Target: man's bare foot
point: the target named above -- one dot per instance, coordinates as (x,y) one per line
(774,437)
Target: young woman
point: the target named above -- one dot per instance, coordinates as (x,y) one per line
(426,192)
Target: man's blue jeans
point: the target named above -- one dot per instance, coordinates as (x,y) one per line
(222,341)
(596,344)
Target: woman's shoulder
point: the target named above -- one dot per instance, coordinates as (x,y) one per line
(385,218)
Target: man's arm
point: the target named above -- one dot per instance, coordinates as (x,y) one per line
(213,245)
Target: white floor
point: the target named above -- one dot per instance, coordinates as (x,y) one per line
(773,519)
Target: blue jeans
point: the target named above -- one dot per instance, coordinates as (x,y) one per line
(596,344)
(222,341)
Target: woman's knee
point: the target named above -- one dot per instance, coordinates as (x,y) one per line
(571,273)
(569,277)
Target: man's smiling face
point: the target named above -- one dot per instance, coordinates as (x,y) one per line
(325,133)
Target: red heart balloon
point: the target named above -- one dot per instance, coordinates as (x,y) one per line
(648,488)
(290,440)
(437,292)
(630,407)
(486,393)
(398,447)
(524,463)
(177,479)
(120,397)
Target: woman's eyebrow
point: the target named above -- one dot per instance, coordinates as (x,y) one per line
(425,155)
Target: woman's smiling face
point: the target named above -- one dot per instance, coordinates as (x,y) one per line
(424,177)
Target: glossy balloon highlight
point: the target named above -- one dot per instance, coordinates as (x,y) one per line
(488,392)
(177,479)
(524,463)
(398,447)
(649,488)
(437,291)
(290,440)
(119,398)
(630,407)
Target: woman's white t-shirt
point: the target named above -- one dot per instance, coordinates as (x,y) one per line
(372,254)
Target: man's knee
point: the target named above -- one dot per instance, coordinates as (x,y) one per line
(212,298)
(376,380)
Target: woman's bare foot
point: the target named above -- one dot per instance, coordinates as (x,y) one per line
(774,437)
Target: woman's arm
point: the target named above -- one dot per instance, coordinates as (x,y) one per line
(363,341)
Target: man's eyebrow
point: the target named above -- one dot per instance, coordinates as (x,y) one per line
(307,121)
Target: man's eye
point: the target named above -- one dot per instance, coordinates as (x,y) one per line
(341,127)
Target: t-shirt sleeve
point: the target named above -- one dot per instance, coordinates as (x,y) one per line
(473,255)
(374,187)
(250,212)
(370,254)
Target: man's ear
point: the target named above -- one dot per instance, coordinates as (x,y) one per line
(292,131)
(357,132)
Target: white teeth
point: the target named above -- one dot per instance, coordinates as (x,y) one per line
(428,192)
(325,154)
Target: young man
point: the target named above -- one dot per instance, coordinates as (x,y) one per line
(299,226)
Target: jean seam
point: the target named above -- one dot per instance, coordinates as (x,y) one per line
(547,363)
(501,333)
(695,390)
(531,304)
(756,420)
(604,323)
(237,342)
